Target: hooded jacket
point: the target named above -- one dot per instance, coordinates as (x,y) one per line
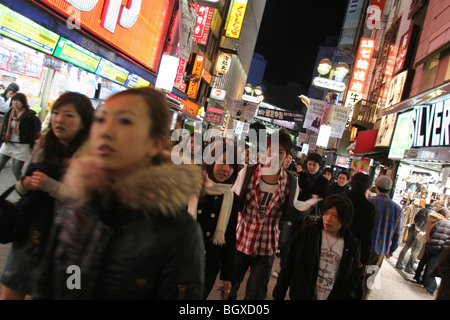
(130,239)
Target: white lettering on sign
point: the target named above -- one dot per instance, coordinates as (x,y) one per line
(431,125)
(83,5)
(111,11)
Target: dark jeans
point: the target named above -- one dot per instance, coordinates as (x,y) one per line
(287,232)
(260,269)
(429,281)
(17,165)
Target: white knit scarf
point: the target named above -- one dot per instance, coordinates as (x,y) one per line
(212,188)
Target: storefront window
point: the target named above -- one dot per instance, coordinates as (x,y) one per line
(436,70)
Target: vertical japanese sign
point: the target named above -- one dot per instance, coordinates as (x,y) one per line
(236,18)
(360,72)
(350,25)
(404,55)
(203,23)
(197,71)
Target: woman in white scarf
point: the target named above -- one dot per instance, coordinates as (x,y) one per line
(215,209)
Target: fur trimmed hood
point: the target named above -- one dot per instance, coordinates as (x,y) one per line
(166,188)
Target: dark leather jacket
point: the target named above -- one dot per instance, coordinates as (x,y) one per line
(132,239)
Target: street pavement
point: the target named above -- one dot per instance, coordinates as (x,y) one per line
(394,284)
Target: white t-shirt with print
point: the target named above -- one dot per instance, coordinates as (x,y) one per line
(329,262)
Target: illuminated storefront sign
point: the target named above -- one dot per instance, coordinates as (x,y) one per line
(374,13)
(360,72)
(404,55)
(236,19)
(223,63)
(112,72)
(430,125)
(135,29)
(218,94)
(167,72)
(197,69)
(22,29)
(190,107)
(76,55)
(203,23)
(328,84)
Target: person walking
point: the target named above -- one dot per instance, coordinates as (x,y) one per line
(387,229)
(20,129)
(323,260)
(363,221)
(5,100)
(439,241)
(312,185)
(266,195)
(413,242)
(215,209)
(126,232)
(71,118)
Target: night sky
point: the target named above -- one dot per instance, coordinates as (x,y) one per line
(291,33)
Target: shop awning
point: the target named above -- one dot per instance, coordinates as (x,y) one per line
(365,141)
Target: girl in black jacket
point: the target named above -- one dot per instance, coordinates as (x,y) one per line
(216,212)
(323,260)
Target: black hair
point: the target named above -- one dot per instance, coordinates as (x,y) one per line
(317,158)
(344,208)
(327,170)
(53,148)
(347,174)
(232,160)
(360,182)
(284,140)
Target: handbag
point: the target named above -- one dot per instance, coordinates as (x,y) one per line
(9,218)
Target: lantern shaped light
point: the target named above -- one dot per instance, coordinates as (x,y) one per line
(223,63)
(342,69)
(324,66)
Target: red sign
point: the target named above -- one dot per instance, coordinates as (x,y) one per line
(213,117)
(362,65)
(203,23)
(135,29)
(403,54)
(374,14)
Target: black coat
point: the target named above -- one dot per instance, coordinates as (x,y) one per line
(217,257)
(301,268)
(363,224)
(29,127)
(130,239)
(312,184)
(439,237)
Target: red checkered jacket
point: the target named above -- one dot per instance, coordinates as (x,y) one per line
(256,235)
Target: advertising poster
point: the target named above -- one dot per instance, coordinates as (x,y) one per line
(314,115)
(338,121)
(400,140)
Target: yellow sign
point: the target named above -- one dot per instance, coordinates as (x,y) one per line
(236,19)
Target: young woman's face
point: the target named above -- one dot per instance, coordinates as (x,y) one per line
(222,171)
(66,123)
(331,222)
(17,104)
(120,134)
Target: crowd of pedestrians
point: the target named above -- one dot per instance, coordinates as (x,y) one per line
(102,200)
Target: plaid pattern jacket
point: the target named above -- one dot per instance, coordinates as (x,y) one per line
(256,235)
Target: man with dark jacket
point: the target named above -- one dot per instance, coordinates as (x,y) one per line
(363,219)
(439,241)
(323,260)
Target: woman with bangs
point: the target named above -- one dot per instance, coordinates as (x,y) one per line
(40,189)
(215,209)
(20,128)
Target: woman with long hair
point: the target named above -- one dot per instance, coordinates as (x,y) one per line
(215,209)
(20,128)
(71,118)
